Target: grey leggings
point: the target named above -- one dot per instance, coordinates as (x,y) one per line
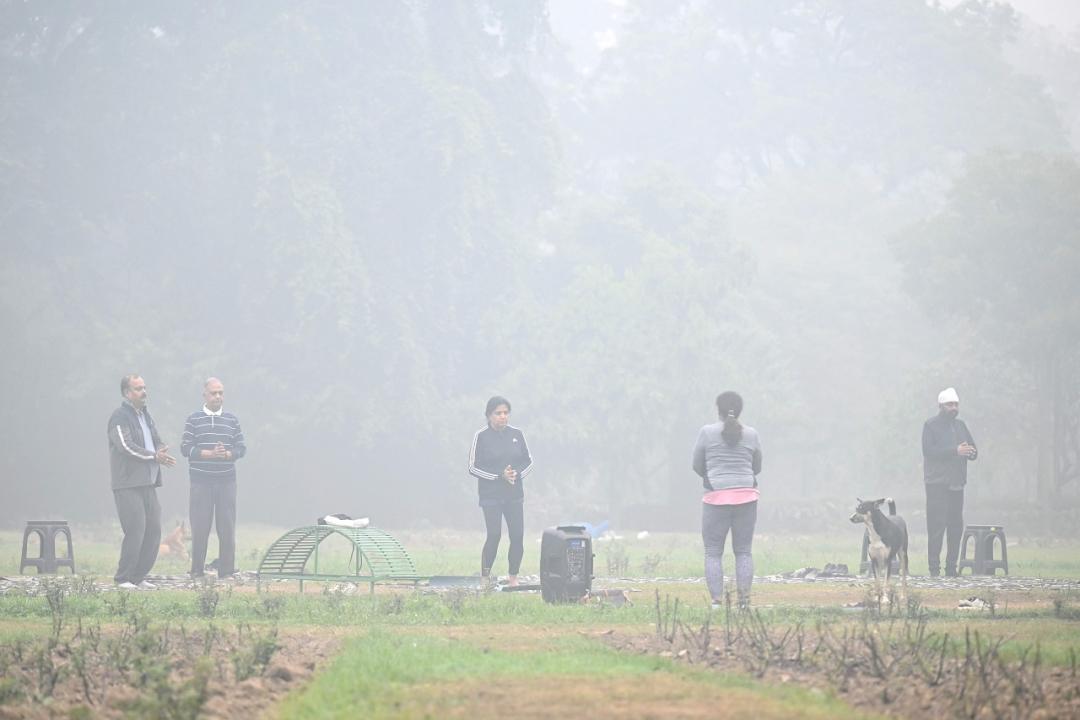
(716,520)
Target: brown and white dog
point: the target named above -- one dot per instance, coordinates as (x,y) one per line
(174,544)
(888,540)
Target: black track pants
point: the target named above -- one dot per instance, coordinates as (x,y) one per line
(944,517)
(140,519)
(514,512)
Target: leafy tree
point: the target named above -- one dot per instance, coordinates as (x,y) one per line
(823,127)
(306,198)
(739,90)
(1002,258)
(645,324)
(363,217)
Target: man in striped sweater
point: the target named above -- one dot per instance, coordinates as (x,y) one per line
(212,443)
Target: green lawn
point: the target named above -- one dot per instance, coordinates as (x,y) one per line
(390,675)
(454,552)
(467,654)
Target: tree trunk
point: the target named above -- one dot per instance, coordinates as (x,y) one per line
(1066,407)
(1044,439)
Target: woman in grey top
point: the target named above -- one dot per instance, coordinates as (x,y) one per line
(727,457)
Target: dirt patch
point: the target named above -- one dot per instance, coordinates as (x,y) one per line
(301,655)
(897,669)
(658,695)
(939,597)
(162,672)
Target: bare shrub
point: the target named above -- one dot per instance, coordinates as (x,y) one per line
(207,600)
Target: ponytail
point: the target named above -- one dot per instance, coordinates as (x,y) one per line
(729,405)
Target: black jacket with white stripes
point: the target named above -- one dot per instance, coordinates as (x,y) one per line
(491,452)
(130,463)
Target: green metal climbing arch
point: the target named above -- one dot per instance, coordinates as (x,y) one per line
(377,557)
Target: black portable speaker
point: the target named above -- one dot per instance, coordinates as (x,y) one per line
(566,564)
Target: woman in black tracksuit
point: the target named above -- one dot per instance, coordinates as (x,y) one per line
(499,460)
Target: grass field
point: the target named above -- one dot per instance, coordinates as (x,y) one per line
(223,650)
(452,552)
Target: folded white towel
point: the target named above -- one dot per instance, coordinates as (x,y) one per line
(351,523)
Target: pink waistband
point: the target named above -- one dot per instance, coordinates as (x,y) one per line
(731,496)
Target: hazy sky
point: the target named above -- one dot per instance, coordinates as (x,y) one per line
(1061,14)
(588,26)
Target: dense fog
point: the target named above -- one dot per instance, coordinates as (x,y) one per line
(367,218)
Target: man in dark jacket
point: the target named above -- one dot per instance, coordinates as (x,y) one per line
(136,454)
(947,449)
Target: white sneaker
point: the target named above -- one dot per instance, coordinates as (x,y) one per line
(144,585)
(127,586)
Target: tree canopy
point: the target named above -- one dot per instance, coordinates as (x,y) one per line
(367,218)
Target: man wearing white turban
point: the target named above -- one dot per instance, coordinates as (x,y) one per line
(947,449)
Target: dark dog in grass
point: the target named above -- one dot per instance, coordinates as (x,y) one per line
(888,540)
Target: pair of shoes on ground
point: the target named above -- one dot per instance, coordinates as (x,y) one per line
(743,604)
(144,585)
(219,576)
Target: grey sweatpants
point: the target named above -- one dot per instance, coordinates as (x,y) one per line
(716,520)
(140,518)
(213,503)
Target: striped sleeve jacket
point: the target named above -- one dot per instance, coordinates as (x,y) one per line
(203,432)
(491,452)
(131,464)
